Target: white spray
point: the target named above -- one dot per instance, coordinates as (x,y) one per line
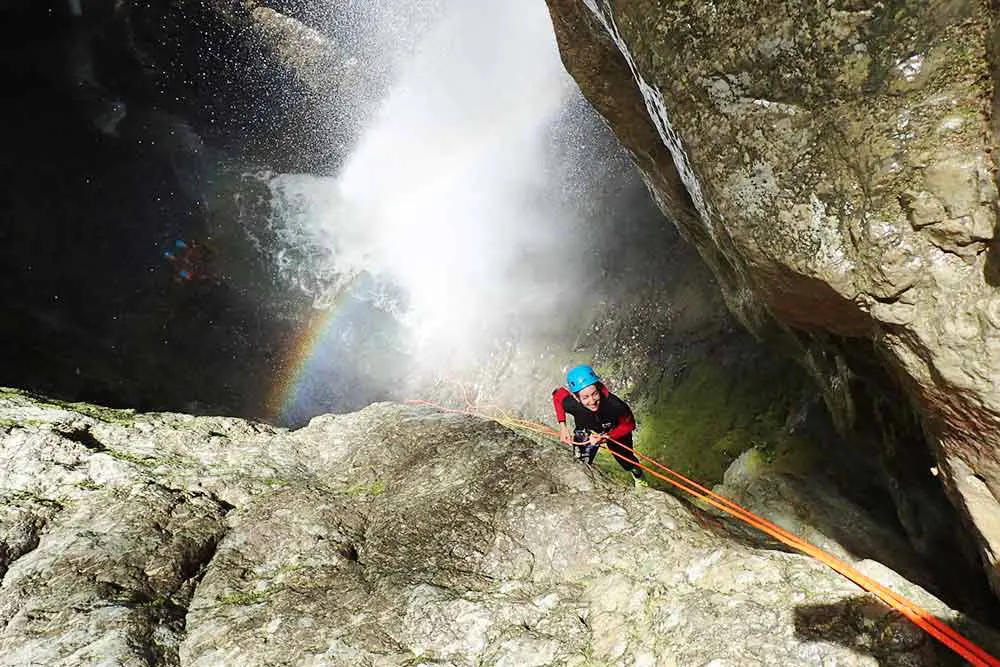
(441,193)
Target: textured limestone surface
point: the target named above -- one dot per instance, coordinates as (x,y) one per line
(815,509)
(391,536)
(834,164)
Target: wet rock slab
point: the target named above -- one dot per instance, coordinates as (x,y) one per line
(391,536)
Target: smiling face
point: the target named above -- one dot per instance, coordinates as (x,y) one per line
(590,397)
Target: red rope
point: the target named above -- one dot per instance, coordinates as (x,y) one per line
(916,614)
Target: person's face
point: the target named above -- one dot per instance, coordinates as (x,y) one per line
(590,397)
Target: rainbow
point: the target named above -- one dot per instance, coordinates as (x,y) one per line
(303,360)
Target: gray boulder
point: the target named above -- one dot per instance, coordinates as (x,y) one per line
(395,535)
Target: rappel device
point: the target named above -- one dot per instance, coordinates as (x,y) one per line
(583,451)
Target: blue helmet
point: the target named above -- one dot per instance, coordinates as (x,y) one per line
(581,377)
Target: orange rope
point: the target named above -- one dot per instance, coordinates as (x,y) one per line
(919,616)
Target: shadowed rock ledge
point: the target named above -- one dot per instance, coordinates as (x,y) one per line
(390,536)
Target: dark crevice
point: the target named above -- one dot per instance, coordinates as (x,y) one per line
(170,611)
(964,257)
(870,628)
(84,437)
(891,298)
(348,551)
(881,463)
(226,506)
(890,421)
(165,611)
(991,269)
(9,556)
(35,524)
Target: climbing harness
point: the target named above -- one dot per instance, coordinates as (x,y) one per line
(583,451)
(920,617)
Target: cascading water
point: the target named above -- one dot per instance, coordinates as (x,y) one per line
(454,232)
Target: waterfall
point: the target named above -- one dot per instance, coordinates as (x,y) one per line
(449,186)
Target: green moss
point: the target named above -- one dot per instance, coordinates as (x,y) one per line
(376,488)
(417,660)
(108,415)
(132,458)
(289,568)
(158,602)
(25,496)
(20,423)
(699,421)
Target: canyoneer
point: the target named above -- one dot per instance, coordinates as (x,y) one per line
(599,418)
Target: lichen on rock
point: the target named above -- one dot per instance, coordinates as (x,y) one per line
(393,536)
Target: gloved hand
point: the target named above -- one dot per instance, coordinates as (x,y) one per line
(597,439)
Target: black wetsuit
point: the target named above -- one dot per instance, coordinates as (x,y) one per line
(613,418)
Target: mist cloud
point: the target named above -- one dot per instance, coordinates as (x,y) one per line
(455,211)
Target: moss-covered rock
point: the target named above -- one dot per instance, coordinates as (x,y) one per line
(704,417)
(834,165)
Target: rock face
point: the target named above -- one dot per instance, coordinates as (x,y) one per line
(390,536)
(834,165)
(814,509)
